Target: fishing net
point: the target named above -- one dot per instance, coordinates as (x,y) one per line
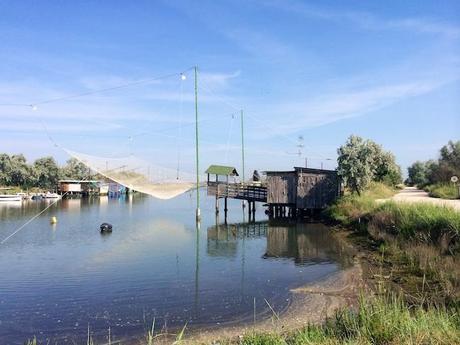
(139,175)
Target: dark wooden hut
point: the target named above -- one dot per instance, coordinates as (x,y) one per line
(301,189)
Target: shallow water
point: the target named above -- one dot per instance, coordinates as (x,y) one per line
(56,280)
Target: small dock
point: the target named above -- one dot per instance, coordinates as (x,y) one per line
(300,192)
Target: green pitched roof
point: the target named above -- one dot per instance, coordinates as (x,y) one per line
(222,170)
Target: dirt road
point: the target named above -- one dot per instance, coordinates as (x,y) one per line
(412,194)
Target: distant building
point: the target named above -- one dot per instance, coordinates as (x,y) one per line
(82,187)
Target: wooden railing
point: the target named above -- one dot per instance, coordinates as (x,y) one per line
(243,191)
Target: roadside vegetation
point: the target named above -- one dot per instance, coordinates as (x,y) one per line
(443,190)
(434,176)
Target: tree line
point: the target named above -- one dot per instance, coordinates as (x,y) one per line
(437,171)
(43,172)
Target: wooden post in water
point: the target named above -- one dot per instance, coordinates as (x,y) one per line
(249,210)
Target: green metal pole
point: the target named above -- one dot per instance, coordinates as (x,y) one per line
(242,141)
(198,215)
(242,149)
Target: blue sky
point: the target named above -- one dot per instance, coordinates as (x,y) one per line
(388,71)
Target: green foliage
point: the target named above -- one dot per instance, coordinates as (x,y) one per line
(46,172)
(421,221)
(443,190)
(43,173)
(14,171)
(352,207)
(74,169)
(440,171)
(362,161)
(418,174)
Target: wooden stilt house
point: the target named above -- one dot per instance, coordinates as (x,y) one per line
(302,189)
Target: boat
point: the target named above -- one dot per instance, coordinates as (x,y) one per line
(24,196)
(49,195)
(8,197)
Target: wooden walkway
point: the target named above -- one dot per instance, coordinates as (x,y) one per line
(241,191)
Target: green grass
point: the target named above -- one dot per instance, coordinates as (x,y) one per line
(443,190)
(423,222)
(419,221)
(381,320)
(352,207)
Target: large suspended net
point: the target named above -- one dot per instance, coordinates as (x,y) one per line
(139,175)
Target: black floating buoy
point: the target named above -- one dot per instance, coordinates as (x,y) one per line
(106,227)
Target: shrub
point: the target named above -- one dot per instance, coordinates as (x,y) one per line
(443,190)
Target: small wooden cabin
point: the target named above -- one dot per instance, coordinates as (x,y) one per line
(302,188)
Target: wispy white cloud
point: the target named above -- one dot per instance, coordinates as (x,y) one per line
(218,80)
(368,20)
(323,109)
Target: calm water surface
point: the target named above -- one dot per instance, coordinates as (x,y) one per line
(55,280)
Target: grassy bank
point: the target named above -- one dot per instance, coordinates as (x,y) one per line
(416,246)
(442,190)
(381,320)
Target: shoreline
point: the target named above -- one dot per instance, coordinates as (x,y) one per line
(311,303)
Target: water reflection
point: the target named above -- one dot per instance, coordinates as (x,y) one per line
(304,243)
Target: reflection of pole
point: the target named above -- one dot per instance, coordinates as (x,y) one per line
(196,148)
(242,150)
(197,267)
(243,259)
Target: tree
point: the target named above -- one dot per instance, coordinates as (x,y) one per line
(355,163)
(362,161)
(46,172)
(14,171)
(440,171)
(74,169)
(418,173)
(386,169)
(5,168)
(450,153)
(21,172)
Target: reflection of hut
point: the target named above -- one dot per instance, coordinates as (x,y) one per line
(222,240)
(281,242)
(304,242)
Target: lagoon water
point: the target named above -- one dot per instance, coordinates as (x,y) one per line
(58,280)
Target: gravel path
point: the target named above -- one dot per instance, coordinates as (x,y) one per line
(412,194)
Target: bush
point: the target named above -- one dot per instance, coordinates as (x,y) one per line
(352,207)
(443,190)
